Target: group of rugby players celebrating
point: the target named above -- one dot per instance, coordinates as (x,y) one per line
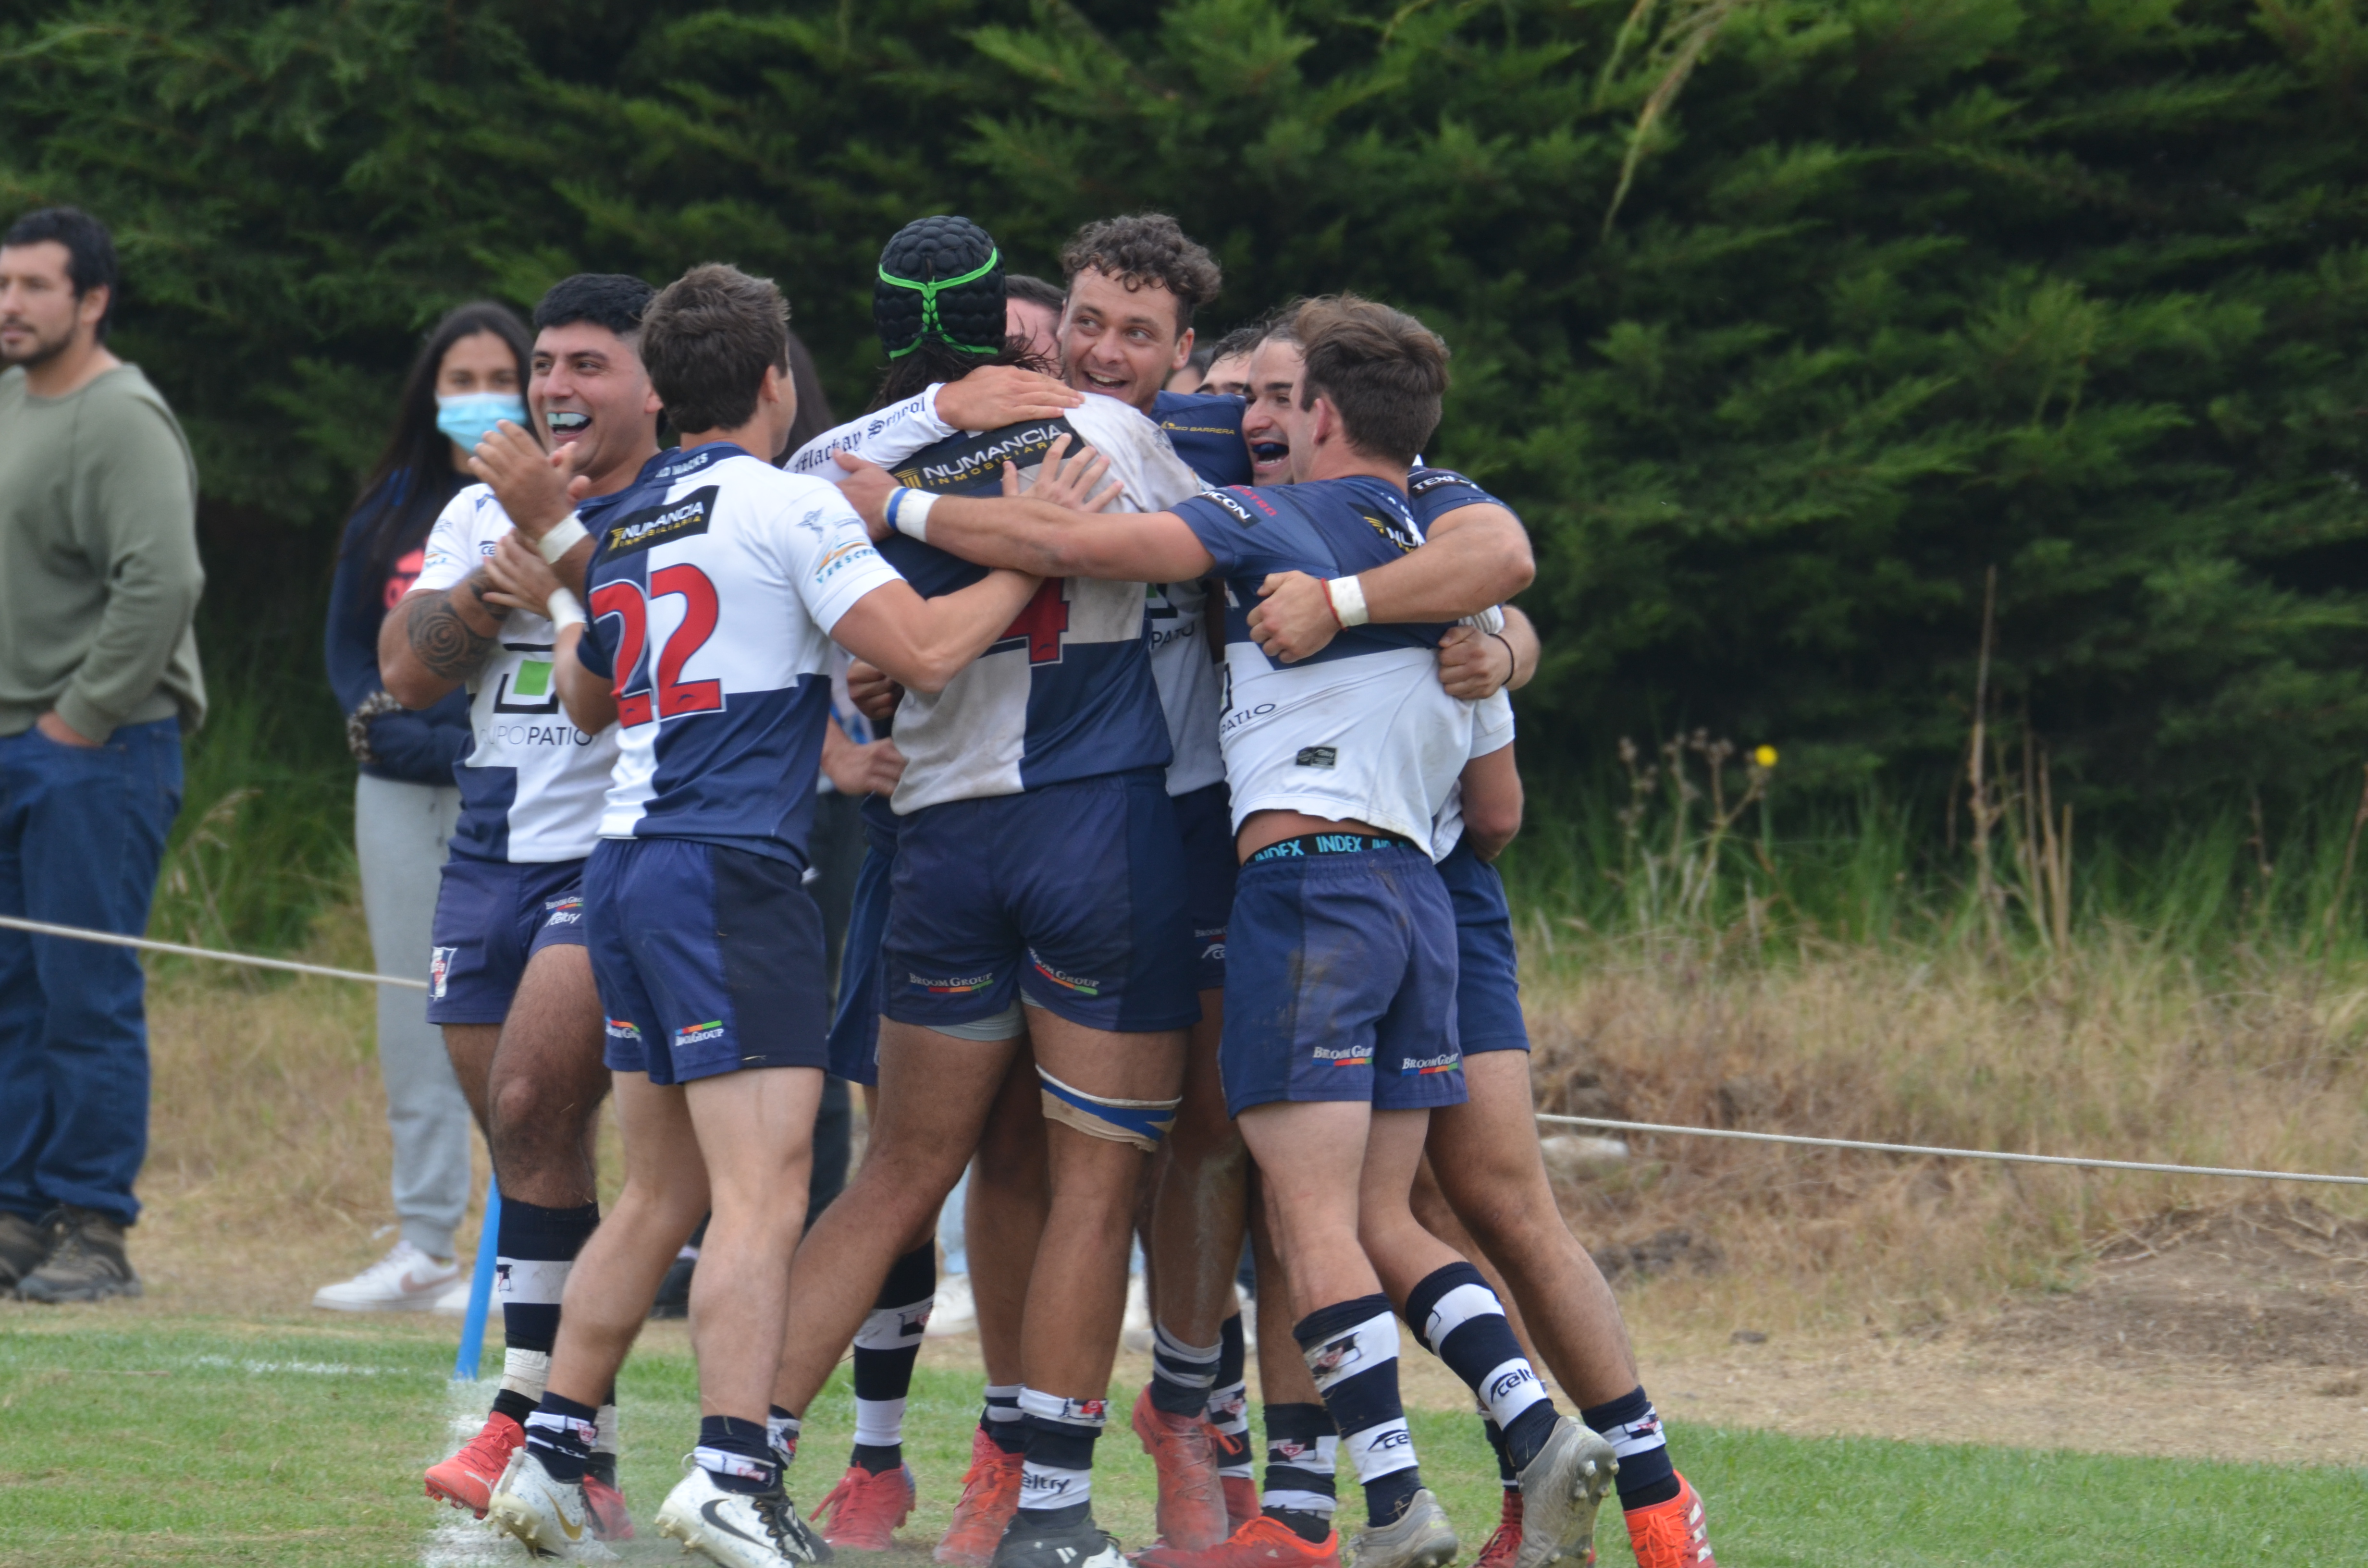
(1177,916)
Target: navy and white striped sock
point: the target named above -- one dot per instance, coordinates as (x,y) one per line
(1301,1453)
(1351,1349)
(1633,1428)
(1056,1478)
(885,1348)
(534,1249)
(999,1418)
(560,1433)
(1181,1374)
(1229,1401)
(1458,1318)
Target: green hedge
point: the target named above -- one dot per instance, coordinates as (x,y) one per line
(1898,291)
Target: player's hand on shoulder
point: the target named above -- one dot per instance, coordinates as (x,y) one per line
(531,485)
(866,487)
(1070,479)
(1293,620)
(521,578)
(1472,665)
(996,395)
(874,695)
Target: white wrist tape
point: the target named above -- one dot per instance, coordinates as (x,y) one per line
(564,610)
(1348,596)
(908,512)
(564,536)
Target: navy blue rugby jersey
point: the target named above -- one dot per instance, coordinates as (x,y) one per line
(713,586)
(1361,732)
(1206,430)
(1067,692)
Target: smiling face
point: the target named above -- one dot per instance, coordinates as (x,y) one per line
(38,312)
(589,390)
(1122,342)
(1273,423)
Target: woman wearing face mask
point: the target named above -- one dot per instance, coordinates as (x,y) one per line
(471,372)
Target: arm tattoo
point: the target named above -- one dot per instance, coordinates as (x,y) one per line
(446,645)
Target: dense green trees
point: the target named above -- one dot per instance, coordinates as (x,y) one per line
(1783,322)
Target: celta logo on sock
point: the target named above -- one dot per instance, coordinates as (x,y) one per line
(1508,1380)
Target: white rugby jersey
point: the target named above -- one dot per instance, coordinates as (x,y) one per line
(532,784)
(929,454)
(1361,732)
(714,586)
(1492,732)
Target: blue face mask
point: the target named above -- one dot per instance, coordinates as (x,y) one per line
(471,417)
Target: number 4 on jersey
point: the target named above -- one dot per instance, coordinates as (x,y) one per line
(1041,622)
(675,696)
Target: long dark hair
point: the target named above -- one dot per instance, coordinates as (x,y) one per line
(933,359)
(415,477)
(814,403)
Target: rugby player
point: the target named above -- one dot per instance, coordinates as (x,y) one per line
(968,327)
(1484,1173)
(1032,315)
(509,979)
(1134,284)
(716,585)
(1339,1035)
(1037,861)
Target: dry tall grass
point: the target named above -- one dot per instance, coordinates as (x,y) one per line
(269,1168)
(2115,1050)
(268,1151)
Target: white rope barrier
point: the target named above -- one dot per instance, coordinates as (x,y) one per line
(1801,1141)
(42,928)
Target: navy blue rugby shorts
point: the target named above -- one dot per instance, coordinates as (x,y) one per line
(1206,818)
(491,917)
(1487,984)
(710,960)
(1340,980)
(1072,896)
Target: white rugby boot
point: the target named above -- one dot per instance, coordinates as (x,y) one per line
(1561,1486)
(735,1530)
(1420,1538)
(550,1516)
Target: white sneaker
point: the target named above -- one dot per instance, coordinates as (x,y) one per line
(406,1280)
(454,1303)
(550,1517)
(954,1310)
(735,1530)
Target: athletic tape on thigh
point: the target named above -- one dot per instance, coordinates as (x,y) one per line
(1140,1122)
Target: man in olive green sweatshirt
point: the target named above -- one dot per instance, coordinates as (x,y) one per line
(98,678)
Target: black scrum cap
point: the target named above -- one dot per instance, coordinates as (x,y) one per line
(939,277)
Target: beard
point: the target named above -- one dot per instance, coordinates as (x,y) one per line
(43,350)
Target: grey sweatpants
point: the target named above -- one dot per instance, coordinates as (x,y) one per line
(399,834)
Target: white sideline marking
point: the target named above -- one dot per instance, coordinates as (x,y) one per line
(307,1368)
(459,1540)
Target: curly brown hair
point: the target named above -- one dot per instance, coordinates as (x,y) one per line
(1144,249)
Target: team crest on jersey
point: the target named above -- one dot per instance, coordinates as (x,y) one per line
(1399,531)
(655,526)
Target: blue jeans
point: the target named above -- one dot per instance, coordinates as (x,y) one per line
(82,832)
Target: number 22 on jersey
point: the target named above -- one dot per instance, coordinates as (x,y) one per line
(671,697)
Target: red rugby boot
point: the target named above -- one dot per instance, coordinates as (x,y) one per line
(865,1508)
(468,1478)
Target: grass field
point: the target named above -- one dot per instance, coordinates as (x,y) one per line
(209,1441)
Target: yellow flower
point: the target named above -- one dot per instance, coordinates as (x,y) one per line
(1765,756)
